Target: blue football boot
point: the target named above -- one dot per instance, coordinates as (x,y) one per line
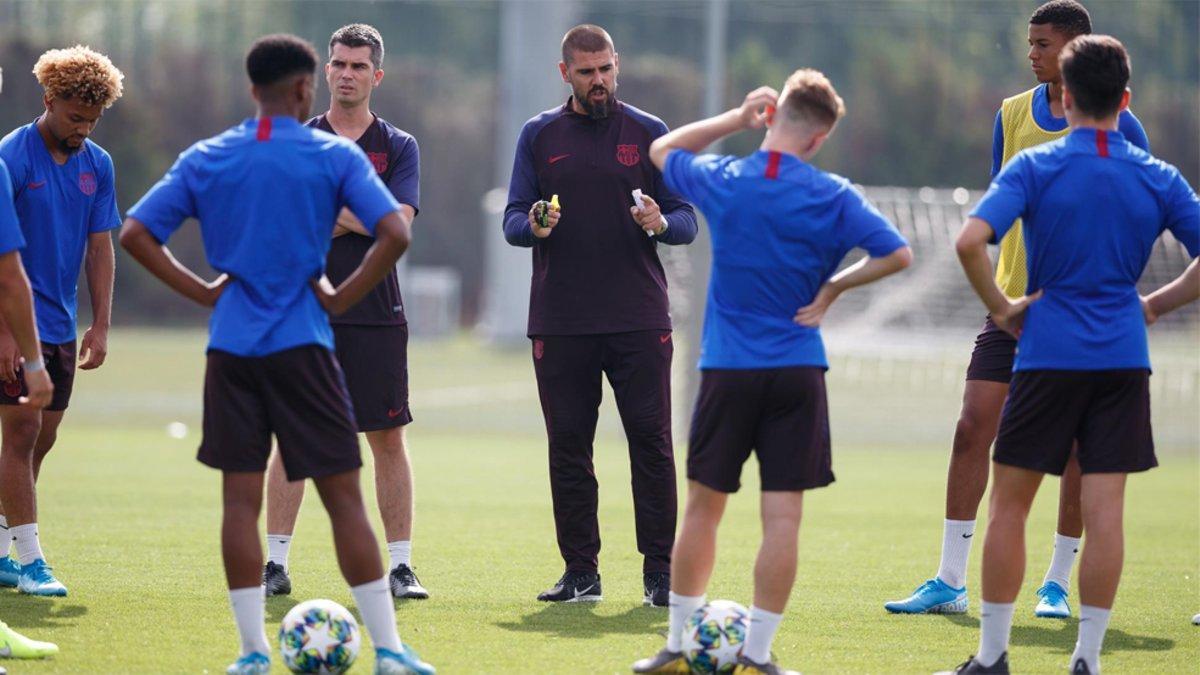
(36,579)
(253,663)
(404,662)
(931,597)
(1053,603)
(10,572)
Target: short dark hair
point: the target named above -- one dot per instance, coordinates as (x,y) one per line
(1095,69)
(1065,16)
(359,35)
(586,37)
(273,58)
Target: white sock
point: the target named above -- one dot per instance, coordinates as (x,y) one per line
(374,600)
(28,546)
(1065,549)
(760,634)
(995,622)
(680,607)
(1093,622)
(278,546)
(249,609)
(5,537)
(400,553)
(956,546)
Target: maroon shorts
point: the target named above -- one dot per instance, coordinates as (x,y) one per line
(1106,411)
(992,358)
(375,361)
(298,394)
(60,366)
(781,414)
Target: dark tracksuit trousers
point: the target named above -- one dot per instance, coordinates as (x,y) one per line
(638,367)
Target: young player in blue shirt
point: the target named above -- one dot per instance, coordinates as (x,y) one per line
(16,308)
(1092,205)
(267,194)
(1023,121)
(780,227)
(65,198)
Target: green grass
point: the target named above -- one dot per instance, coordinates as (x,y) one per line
(130,521)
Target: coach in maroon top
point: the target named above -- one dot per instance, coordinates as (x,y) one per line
(598,304)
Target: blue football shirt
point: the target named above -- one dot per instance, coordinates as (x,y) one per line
(10,227)
(780,227)
(1093,205)
(58,205)
(267,193)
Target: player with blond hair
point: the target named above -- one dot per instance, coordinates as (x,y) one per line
(65,199)
(780,227)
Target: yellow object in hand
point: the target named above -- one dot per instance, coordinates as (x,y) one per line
(554,203)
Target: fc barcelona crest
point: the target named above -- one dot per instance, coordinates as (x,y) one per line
(628,155)
(87,183)
(379,160)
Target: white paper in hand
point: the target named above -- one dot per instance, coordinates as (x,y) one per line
(637,201)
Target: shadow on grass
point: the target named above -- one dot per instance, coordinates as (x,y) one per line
(278,606)
(25,611)
(1062,636)
(580,620)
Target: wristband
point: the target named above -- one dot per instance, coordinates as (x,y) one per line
(34,366)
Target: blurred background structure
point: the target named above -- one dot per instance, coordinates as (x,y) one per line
(922,80)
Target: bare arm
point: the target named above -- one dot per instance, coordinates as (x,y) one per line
(392,237)
(100,269)
(16,306)
(156,258)
(347,222)
(697,136)
(17,320)
(971,247)
(1184,289)
(860,273)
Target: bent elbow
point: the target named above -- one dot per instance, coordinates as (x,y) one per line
(904,258)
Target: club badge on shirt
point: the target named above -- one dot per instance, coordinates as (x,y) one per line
(379,160)
(628,155)
(87,183)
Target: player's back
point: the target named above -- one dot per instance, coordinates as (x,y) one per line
(780,226)
(1095,206)
(267,193)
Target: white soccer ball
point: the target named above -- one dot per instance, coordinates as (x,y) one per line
(319,636)
(713,636)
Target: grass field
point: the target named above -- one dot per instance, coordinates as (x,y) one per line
(130,520)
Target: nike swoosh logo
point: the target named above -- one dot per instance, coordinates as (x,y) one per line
(37,184)
(579,593)
(664,338)
(968,536)
(558,157)
(393,413)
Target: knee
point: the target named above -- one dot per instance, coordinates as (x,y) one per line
(1004,512)
(975,431)
(23,434)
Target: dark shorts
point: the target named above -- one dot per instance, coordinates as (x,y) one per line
(1106,411)
(992,358)
(299,395)
(60,365)
(779,413)
(375,361)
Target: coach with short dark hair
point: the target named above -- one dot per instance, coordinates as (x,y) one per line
(598,304)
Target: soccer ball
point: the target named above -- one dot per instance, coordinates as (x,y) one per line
(713,636)
(319,636)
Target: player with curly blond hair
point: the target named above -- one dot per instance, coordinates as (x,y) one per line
(65,199)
